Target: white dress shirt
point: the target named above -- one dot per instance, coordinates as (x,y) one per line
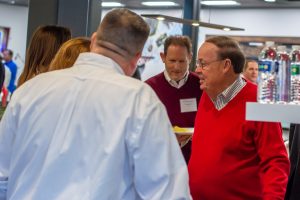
(89,132)
(176,84)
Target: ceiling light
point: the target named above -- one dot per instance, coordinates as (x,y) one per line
(159,3)
(219,3)
(12,2)
(193,22)
(160,18)
(257,44)
(270,0)
(111,4)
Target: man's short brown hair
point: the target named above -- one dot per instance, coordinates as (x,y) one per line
(179,40)
(124,29)
(229,48)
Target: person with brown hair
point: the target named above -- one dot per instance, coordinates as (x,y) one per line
(250,71)
(91,131)
(69,52)
(233,158)
(44,43)
(177,87)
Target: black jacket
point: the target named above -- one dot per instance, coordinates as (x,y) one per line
(293,187)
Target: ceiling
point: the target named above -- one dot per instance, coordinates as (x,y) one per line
(136,4)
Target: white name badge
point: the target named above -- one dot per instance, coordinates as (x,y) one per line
(188,105)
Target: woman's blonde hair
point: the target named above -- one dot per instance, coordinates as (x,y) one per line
(68,53)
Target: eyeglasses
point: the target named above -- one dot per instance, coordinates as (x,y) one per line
(202,64)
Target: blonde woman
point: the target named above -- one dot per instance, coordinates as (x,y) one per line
(68,53)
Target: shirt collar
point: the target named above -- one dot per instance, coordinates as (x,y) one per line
(176,84)
(98,60)
(229,93)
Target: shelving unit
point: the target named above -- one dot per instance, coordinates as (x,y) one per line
(273,112)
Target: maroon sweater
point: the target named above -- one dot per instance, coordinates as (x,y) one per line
(170,97)
(236,159)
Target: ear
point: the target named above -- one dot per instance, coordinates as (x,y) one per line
(93,40)
(133,64)
(137,57)
(227,65)
(163,57)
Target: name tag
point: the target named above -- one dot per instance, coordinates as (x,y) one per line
(188,105)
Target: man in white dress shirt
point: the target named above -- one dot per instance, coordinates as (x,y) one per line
(90,131)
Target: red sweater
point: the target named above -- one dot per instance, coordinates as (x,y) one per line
(233,158)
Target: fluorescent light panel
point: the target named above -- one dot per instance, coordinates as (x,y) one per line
(257,44)
(270,0)
(160,18)
(220,3)
(111,4)
(159,3)
(193,22)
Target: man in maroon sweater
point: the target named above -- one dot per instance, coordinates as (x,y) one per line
(233,158)
(176,87)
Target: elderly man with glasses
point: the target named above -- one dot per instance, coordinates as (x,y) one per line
(232,158)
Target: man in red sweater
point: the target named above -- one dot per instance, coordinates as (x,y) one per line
(233,158)
(177,87)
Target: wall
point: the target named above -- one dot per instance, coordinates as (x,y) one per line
(16,18)
(257,22)
(153,66)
